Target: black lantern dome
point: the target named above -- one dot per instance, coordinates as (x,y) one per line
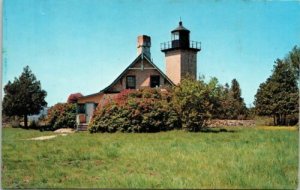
(180,39)
(180,28)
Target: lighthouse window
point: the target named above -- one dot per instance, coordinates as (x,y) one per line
(175,36)
(130,82)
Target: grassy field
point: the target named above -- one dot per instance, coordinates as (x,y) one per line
(260,157)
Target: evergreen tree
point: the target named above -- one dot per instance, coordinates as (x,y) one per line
(278,96)
(226,102)
(293,59)
(24,96)
(236,91)
(237,107)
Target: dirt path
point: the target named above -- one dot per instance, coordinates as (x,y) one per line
(46,137)
(43,138)
(63,132)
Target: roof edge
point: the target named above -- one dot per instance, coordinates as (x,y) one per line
(141,56)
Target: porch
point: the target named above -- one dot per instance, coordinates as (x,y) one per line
(84,115)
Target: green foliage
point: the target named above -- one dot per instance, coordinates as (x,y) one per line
(238,109)
(191,99)
(24,96)
(216,93)
(145,110)
(189,105)
(293,59)
(61,115)
(225,101)
(278,96)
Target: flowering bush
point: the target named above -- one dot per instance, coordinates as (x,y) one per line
(189,106)
(145,110)
(61,115)
(74,97)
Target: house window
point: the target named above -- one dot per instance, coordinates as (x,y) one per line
(81,108)
(154,81)
(130,82)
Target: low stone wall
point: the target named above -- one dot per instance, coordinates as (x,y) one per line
(230,123)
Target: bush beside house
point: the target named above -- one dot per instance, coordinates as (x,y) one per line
(61,115)
(192,103)
(146,110)
(188,106)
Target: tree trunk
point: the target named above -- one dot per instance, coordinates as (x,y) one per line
(281,119)
(277,119)
(25,121)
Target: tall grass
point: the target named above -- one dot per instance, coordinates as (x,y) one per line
(245,158)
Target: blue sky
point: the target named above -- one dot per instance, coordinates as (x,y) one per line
(83,45)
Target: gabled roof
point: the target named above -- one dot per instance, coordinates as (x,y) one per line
(140,57)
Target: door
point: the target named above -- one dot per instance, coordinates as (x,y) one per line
(89,110)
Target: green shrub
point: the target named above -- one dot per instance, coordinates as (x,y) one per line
(145,110)
(191,100)
(189,105)
(61,115)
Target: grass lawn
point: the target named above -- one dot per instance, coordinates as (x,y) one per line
(245,158)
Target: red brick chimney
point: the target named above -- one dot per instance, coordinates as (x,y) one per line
(143,45)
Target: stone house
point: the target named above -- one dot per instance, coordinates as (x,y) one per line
(181,59)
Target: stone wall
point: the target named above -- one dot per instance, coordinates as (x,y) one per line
(230,123)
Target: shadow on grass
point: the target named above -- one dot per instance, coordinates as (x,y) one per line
(36,127)
(216,130)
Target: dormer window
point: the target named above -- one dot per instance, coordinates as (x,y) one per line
(130,82)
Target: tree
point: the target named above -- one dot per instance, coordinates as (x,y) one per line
(293,59)
(216,95)
(24,96)
(237,102)
(191,99)
(263,99)
(235,90)
(278,96)
(61,115)
(226,101)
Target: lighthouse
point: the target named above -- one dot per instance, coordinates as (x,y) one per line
(180,54)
